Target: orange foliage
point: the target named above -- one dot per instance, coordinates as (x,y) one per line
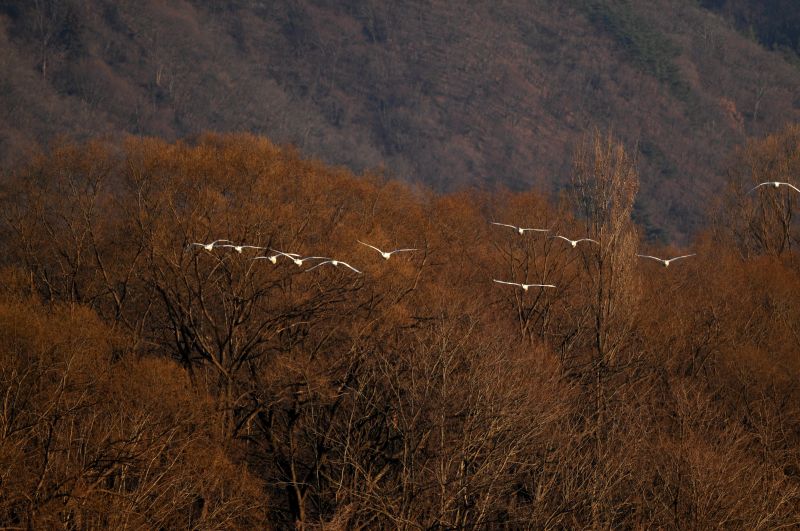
(149,382)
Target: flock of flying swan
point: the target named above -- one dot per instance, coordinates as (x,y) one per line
(574,243)
(294,257)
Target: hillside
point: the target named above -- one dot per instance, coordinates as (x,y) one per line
(775,23)
(495,95)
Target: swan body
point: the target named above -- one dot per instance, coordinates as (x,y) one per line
(298,261)
(207,246)
(386,254)
(335,263)
(575,243)
(520,230)
(274,257)
(775,184)
(240,248)
(524,286)
(666,262)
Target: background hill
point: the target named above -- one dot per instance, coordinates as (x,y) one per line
(494,95)
(774,23)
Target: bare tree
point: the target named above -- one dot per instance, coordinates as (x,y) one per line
(604,186)
(761,220)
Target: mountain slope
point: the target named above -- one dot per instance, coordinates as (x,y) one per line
(496,94)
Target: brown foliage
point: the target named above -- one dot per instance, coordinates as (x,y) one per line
(762,220)
(87,441)
(148,382)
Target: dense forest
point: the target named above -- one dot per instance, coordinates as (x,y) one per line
(150,379)
(493,96)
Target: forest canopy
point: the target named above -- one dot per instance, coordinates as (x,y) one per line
(151,379)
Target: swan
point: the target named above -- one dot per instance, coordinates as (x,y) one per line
(240,248)
(520,230)
(207,246)
(524,286)
(298,261)
(776,184)
(662,260)
(274,257)
(386,255)
(335,263)
(575,243)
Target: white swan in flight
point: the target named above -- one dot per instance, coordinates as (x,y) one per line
(274,257)
(207,246)
(240,248)
(775,184)
(386,254)
(575,243)
(524,286)
(335,263)
(667,261)
(299,261)
(520,230)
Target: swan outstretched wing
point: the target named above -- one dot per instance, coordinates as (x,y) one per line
(757,186)
(233,246)
(319,264)
(504,225)
(287,255)
(335,265)
(509,283)
(368,245)
(212,244)
(351,267)
(651,257)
